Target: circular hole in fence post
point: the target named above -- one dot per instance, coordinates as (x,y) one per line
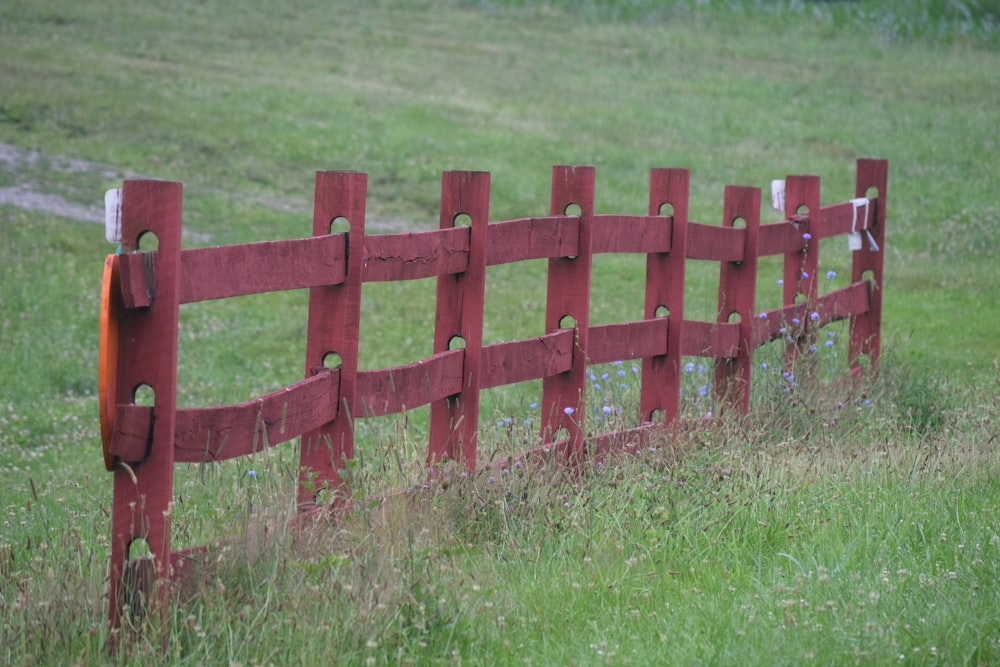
(872,192)
(560,434)
(661,311)
(147,242)
(739,222)
(868,276)
(666,208)
(572,208)
(456,343)
(656,416)
(332,360)
(340,225)
(139,548)
(143,395)
(137,577)
(800,297)
(567,322)
(802,210)
(734,317)
(461,220)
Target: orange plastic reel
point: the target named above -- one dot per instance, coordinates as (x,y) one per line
(107,363)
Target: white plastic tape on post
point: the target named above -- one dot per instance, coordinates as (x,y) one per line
(113,215)
(854,237)
(778,195)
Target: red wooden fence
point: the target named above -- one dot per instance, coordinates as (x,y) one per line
(144,290)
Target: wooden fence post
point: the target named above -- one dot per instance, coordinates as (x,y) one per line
(147,357)
(333,333)
(454,420)
(865,329)
(801,285)
(737,297)
(568,296)
(661,375)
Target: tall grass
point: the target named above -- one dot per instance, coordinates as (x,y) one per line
(974,21)
(820,534)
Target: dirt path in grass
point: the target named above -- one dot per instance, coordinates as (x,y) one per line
(27,194)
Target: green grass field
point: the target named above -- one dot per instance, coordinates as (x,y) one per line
(829,529)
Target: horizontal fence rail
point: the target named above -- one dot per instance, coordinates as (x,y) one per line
(144,290)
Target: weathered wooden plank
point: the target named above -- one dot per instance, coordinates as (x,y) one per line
(721,244)
(837,219)
(389,391)
(632,233)
(710,339)
(779,238)
(137,272)
(414,255)
(225,432)
(527,359)
(268,266)
(532,238)
(220,272)
(853,300)
(131,433)
(627,340)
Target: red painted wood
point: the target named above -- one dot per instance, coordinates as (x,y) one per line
(268,266)
(837,219)
(779,238)
(137,275)
(710,339)
(334,329)
(719,244)
(737,292)
(454,420)
(410,256)
(225,271)
(627,340)
(568,295)
(132,433)
(532,238)
(832,306)
(224,432)
(147,349)
(527,359)
(661,374)
(800,281)
(865,329)
(393,390)
(631,233)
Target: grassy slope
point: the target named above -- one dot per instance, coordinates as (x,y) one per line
(243,104)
